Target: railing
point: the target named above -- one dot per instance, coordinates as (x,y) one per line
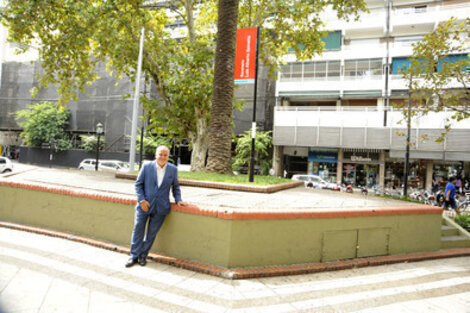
(360,116)
(363,127)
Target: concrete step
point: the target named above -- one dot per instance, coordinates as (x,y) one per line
(448,242)
(449,231)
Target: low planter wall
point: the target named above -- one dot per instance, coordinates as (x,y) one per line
(231,239)
(225,186)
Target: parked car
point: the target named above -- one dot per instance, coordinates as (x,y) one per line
(104,165)
(314,181)
(5,165)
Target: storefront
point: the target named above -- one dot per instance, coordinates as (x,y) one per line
(439,171)
(323,162)
(442,170)
(360,168)
(395,169)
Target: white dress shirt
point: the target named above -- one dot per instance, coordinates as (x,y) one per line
(160,174)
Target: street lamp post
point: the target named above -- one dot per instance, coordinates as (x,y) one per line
(99,131)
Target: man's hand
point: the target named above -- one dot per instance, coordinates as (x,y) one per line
(181,203)
(144,205)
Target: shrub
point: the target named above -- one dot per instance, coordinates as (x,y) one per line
(463,221)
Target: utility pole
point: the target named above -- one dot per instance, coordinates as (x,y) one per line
(407,153)
(387,61)
(136,104)
(142,128)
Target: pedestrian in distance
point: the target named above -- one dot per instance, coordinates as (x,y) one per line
(152,188)
(458,185)
(450,195)
(435,186)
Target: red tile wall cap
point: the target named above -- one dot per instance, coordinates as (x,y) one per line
(320,213)
(71,192)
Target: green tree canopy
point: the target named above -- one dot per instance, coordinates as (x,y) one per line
(72,37)
(151,143)
(440,71)
(44,122)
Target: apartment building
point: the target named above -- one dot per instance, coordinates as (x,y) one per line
(335,117)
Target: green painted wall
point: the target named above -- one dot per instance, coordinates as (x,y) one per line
(108,221)
(272,242)
(196,237)
(228,243)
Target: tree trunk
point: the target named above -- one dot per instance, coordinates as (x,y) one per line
(220,135)
(199,143)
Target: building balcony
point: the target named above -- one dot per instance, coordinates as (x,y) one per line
(404,21)
(340,85)
(363,127)
(369,23)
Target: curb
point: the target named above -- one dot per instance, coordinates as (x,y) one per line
(254,272)
(225,186)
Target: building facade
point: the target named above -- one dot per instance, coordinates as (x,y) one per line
(335,113)
(102,102)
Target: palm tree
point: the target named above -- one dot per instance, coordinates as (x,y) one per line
(220,131)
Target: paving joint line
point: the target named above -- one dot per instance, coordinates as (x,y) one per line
(250,272)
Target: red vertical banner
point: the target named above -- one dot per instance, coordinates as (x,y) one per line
(245,56)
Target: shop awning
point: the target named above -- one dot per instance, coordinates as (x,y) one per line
(310,94)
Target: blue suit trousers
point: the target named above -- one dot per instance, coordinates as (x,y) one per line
(141,242)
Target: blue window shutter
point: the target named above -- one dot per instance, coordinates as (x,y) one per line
(332,40)
(400,64)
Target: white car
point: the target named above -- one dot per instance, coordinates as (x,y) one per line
(314,181)
(5,165)
(104,165)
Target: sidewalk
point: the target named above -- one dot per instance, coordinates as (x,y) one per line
(45,274)
(299,198)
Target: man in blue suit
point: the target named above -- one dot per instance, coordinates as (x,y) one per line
(153,203)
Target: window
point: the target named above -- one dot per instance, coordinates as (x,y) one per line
(332,40)
(309,70)
(453,59)
(334,68)
(363,68)
(285,71)
(296,70)
(399,65)
(320,70)
(421,9)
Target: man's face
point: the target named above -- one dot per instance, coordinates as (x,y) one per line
(162,157)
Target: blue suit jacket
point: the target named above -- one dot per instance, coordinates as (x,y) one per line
(146,188)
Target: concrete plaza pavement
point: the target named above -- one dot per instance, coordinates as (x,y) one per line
(47,274)
(44,274)
(299,198)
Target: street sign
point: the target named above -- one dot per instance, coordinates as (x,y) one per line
(245,56)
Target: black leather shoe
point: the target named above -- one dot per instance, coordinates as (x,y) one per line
(142,261)
(131,262)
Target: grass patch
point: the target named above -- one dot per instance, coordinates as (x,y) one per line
(233,179)
(402,198)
